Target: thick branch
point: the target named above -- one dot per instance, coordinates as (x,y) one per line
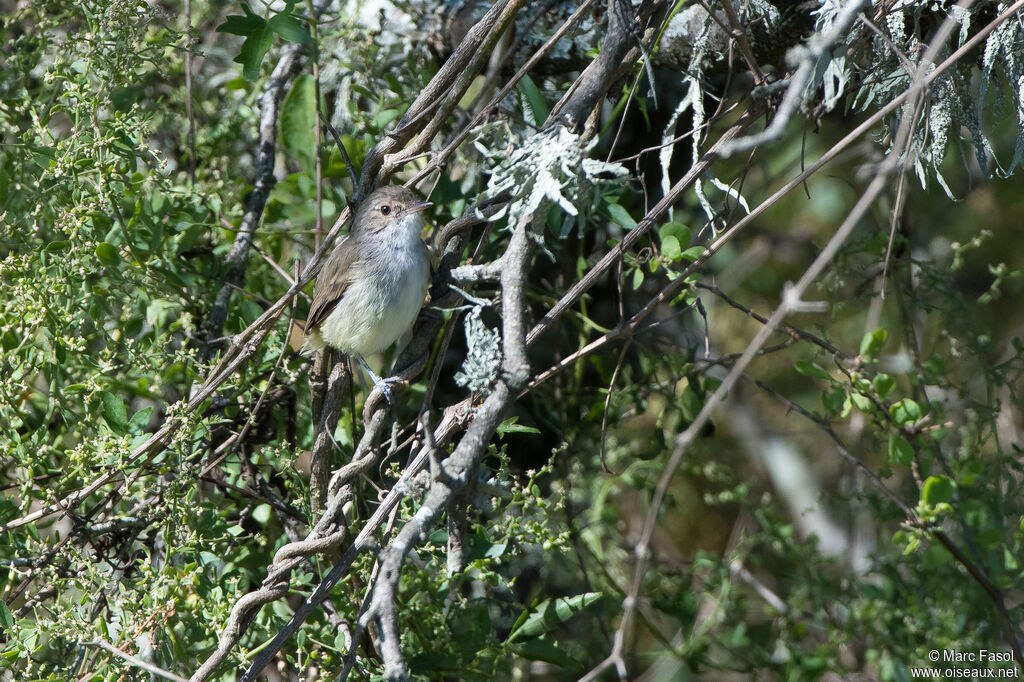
(621,48)
(456,418)
(454,471)
(327,402)
(445,89)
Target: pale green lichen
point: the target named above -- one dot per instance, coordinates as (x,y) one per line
(958,99)
(483,354)
(549,167)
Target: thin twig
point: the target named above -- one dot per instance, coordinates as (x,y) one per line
(817,48)
(270,102)
(791,301)
(137,662)
(191,140)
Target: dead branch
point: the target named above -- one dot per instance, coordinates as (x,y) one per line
(270,103)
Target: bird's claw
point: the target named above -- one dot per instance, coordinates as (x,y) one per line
(378,382)
(382,384)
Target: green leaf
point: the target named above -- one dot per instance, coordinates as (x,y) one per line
(693,253)
(847,405)
(833,401)
(245,26)
(258,39)
(970,470)
(107,253)
(882,384)
(298,120)
(157,311)
(933,368)
(690,402)
(549,614)
(481,547)
(262,513)
(384,117)
(535,105)
(114,413)
(1011,562)
(905,411)
(900,451)
(252,53)
(638,278)
(620,216)
(290,27)
(156,235)
(510,426)
(543,650)
(677,230)
(811,369)
(124,97)
(862,402)
(140,419)
(937,489)
(6,617)
(670,248)
(44,157)
(873,342)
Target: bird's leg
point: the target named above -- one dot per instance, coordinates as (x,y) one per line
(382,384)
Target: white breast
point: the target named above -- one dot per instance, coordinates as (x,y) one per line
(388,287)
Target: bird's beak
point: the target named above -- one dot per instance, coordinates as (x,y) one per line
(420,207)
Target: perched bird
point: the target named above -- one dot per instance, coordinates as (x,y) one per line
(373,284)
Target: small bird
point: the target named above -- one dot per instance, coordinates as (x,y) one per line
(374,282)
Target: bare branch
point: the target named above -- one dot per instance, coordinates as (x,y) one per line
(621,48)
(455,471)
(790,301)
(444,90)
(817,48)
(328,393)
(270,102)
(137,662)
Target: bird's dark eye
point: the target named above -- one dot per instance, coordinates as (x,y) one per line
(385,209)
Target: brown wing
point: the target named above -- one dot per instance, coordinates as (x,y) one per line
(331,283)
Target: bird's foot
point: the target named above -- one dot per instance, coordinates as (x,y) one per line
(378,382)
(382,384)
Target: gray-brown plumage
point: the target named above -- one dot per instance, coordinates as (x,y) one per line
(374,282)
(328,290)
